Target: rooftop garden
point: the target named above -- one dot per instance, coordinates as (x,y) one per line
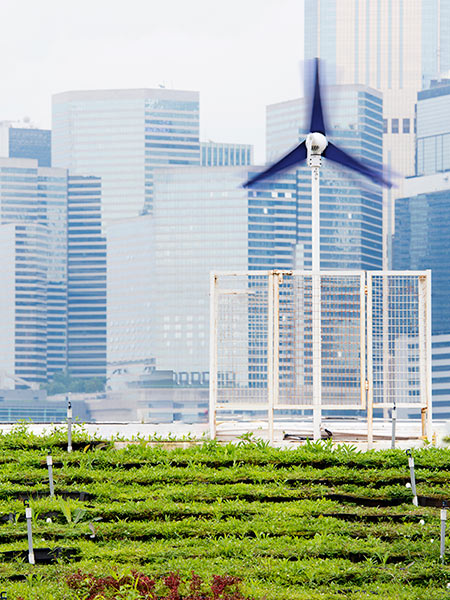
(231,522)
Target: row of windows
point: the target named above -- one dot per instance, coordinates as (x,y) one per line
(395,126)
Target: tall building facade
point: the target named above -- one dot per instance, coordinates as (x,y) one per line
(421,240)
(205,220)
(53,255)
(121,136)
(33,204)
(351,209)
(130,259)
(214,154)
(52,194)
(394,46)
(433,129)
(86,279)
(21,140)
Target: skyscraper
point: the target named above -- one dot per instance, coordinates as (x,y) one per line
(86,279)
(21,140)
(53,256)
(130,259)
(394,46)
(433,129)
(421,241)
(214,154)
(421,238)
(33,205)
(121,136)
(204,220)
(351,207)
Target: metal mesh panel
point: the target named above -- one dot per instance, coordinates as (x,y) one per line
(340,297)
(264,326)
(341,340)
(242,323)
(398,332)
(295,341)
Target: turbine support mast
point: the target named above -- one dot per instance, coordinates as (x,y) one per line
(312,149)
(315,162)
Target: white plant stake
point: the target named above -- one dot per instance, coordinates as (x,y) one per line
(443,525)
(50,473)
(413,478)
(29,533)
(69,426)
(394,422)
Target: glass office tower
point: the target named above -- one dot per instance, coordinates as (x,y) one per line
(33,204)
(205,220)
(86,279)
(433,129)
(21,140)
(394,46)
(121,136)
(351,235)
(214,154)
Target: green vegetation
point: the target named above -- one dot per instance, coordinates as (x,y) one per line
(314,522)
(63,383)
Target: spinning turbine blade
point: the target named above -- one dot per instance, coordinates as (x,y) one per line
(317,120)
(337,155)
(294,157)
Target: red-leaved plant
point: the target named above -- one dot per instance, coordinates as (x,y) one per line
(95,587)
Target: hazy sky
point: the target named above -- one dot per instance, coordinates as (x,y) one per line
(239,54)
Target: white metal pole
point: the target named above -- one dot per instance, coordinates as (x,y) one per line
(277,279)
(316,296)
(50,473)
(388,393)
(413,478)
(394,423)
(369,382)
(213,356)
(428,350)
(28,516)
(270,353)
(422,330)
(69,425)
(362,339)
(443,526)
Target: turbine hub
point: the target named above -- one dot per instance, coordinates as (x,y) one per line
(315,143)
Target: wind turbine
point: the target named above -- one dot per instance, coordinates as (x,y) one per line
(312,149)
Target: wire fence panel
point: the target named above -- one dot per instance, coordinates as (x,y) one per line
(373,335)
(342,340)
(399,332)
(242,330)
(341,331)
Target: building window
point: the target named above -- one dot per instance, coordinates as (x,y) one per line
(385,125)
(394,126)
(406,126)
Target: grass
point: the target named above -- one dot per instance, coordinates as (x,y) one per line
(313,522)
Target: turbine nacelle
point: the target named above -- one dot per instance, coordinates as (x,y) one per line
(315,143)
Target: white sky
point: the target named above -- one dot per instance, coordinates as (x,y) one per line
(239,54)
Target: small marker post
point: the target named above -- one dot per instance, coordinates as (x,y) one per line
(50,473)
(413,478)
(69,425)
(443,526)
(394,423)
(28,515)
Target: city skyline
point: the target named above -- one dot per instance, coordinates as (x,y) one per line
(240,57)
